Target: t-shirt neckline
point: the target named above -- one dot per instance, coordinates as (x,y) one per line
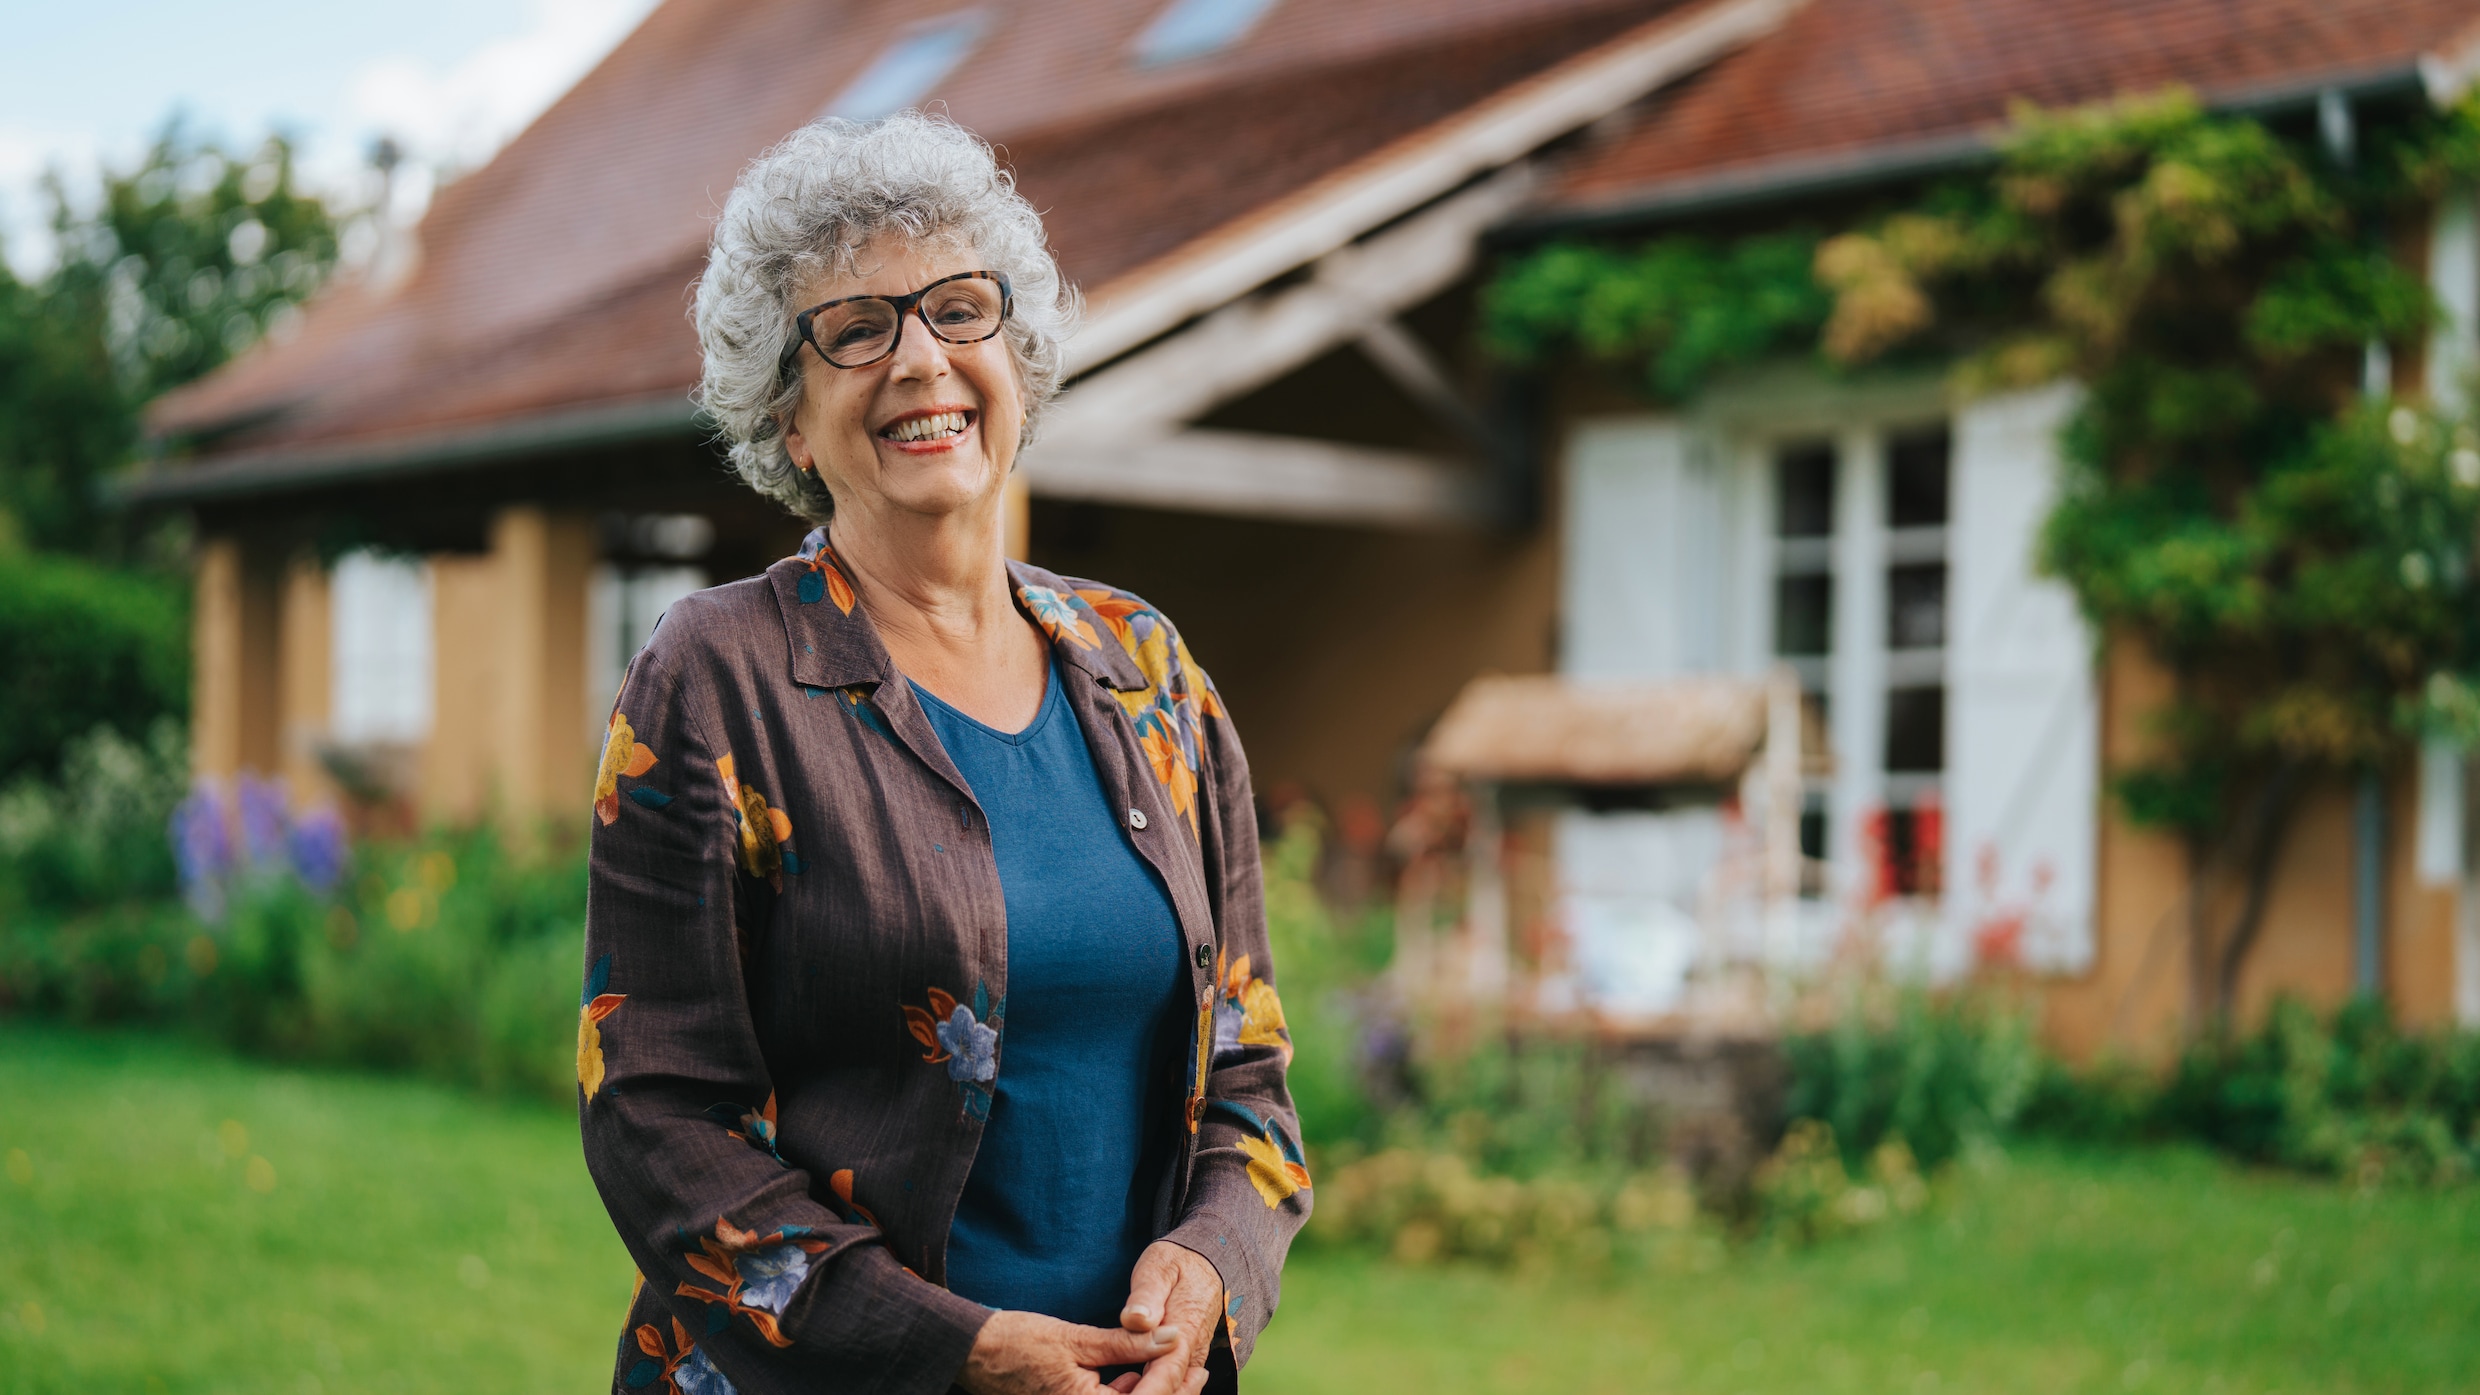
(1051,699)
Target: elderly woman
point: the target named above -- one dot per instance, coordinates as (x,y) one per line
(927,1037)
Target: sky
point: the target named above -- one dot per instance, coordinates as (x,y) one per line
(450,80)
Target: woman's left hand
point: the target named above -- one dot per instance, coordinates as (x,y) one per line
(1174,1287)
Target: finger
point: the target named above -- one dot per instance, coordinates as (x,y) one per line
(1195,1307)
(1166,1373)
(1097,1347)
(1196,1382)
(1125,1383)
(1148,1287)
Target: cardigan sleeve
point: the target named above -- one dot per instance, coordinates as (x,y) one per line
(766,1277)
(1249,1191)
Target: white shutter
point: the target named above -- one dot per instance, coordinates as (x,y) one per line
(1643,566)
(2023,762)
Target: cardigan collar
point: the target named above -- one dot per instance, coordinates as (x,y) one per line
(834,644)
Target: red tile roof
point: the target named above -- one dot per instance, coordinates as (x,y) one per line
(558,275)
(1847,80)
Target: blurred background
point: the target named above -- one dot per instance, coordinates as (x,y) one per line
(1855,621)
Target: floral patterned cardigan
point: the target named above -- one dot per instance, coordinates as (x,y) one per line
(796,984)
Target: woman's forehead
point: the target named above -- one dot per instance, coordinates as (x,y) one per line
(892,264)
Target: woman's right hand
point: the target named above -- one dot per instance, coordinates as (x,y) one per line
(1029,1354)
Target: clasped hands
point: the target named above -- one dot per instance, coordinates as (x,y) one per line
(1174,1300)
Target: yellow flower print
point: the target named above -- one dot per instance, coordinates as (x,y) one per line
(593,1007)
(622,755)
(1275,1166)
(1261,1012)
(1275,1176)
(763,830)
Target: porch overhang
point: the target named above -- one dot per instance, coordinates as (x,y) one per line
(248,474)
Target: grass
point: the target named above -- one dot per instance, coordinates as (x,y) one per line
(181,1221)
(2139,1271)
(401,1237)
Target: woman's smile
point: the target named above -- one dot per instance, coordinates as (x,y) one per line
(929,430)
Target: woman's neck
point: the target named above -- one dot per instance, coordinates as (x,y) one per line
(937,588)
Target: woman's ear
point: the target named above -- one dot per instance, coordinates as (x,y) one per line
(796,445)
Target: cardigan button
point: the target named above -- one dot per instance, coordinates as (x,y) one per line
(1205,955)
(1136,819)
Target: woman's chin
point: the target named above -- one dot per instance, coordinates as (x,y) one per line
(941,484)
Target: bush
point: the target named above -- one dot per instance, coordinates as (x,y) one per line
(2354,1096)
(94,836)
(83,644)
(1937,1074)
(1807,1192)
(448,956)
(1424,1206)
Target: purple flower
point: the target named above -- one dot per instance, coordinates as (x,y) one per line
(318,850)
(202,849)
(261,804)
(972,1048)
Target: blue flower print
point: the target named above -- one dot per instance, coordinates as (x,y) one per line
(770,1276)
(972,1048)
(698,1376)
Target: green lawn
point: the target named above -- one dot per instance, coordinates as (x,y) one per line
(399,1237)
(396,1237)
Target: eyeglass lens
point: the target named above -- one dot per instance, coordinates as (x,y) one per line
(863,331)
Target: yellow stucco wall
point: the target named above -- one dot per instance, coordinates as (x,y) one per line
(2135,1001)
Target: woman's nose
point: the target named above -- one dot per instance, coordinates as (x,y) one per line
(919,355)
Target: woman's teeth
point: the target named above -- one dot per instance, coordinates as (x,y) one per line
(928,428)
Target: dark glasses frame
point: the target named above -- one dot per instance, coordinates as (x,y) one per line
(906,307)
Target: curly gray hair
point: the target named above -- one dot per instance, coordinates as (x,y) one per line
(807,207)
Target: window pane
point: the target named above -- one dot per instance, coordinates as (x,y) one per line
(1914,852)
(1194,28)
(1804,490)
(907,69)
(1813,832)
(1916,470)
(1916,606)
(1803,614)
(379,611)
(1916,730)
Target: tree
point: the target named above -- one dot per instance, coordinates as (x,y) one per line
(183,261)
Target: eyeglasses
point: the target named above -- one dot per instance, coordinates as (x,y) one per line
(859,330)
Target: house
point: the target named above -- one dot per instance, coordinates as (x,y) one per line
(437,517)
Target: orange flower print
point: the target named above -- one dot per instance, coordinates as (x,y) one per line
(763,830)
(679,1365)
(1170,711)
(1172,768)
(593,1006)
(825,580)
(840,1182)
(755,1127)
(622,755)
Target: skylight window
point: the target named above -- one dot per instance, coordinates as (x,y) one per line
(903,74)
(1194,28)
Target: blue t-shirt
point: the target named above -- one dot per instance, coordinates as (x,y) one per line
(1060,1200)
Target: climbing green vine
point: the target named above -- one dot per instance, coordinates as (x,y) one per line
(2245,498)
